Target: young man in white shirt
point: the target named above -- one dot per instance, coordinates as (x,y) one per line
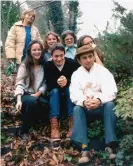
(92,90)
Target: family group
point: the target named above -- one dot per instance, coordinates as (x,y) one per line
(61,67)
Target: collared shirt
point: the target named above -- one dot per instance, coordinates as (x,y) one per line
(47,56)
(96,83)
(70,51)
(60,67)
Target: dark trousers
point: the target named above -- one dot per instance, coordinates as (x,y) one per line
(81,115)
(33,109)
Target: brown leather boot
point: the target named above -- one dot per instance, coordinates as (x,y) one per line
(55,134)
(70,124)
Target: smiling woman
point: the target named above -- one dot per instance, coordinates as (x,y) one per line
(19,37)
(36,53)
(50,39)
(30,87)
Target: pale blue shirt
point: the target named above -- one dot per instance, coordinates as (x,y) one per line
(70,52)
(47,56)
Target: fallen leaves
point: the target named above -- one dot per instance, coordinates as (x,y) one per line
(35,151)
(29,145)
(38,149)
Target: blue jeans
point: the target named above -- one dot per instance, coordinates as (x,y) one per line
(55,95)
(80,114)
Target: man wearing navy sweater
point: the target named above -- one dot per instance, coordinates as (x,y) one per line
(58,75)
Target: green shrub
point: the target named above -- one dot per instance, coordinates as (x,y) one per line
(124,107)
(96,130)
(125,151)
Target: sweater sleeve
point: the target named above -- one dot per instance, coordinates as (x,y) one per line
(43,87)
(108,88)
(20,80)
(10,43)
(76,92)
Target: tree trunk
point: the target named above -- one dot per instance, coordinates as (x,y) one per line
(4,31)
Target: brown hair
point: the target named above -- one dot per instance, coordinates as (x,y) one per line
(80,44)
(46,37)
(57,46)
(80,40)
(29,63)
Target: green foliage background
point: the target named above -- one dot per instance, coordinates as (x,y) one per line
(118,58)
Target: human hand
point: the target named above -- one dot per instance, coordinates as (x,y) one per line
(11,60)
(19,106)
(93,45)
(91,104)
(62,81)
(34,95)
(37,94)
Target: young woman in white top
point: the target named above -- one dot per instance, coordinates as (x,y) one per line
(31,87)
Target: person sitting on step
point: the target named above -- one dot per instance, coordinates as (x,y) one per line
(92,90)
(31,88)
(58,75)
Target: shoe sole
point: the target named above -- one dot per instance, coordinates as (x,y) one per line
(55,139)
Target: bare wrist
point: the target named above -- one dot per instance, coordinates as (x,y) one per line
(18,99)
(100,101)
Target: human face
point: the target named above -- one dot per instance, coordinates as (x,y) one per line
(69,40)
(86,60)
(51,40)
(58,57)
(29,17)
(88,41)
(36,52)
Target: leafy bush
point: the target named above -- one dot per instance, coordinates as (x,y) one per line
(125,151)
(96,130)
(117,47)
(124,107)
(124,127)
(124,112)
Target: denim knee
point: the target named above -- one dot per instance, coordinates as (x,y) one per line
(77,110)
(110,104)
(29,100)
(109,107)
(54,91)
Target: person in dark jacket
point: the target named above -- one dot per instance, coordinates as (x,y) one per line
(58,76)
